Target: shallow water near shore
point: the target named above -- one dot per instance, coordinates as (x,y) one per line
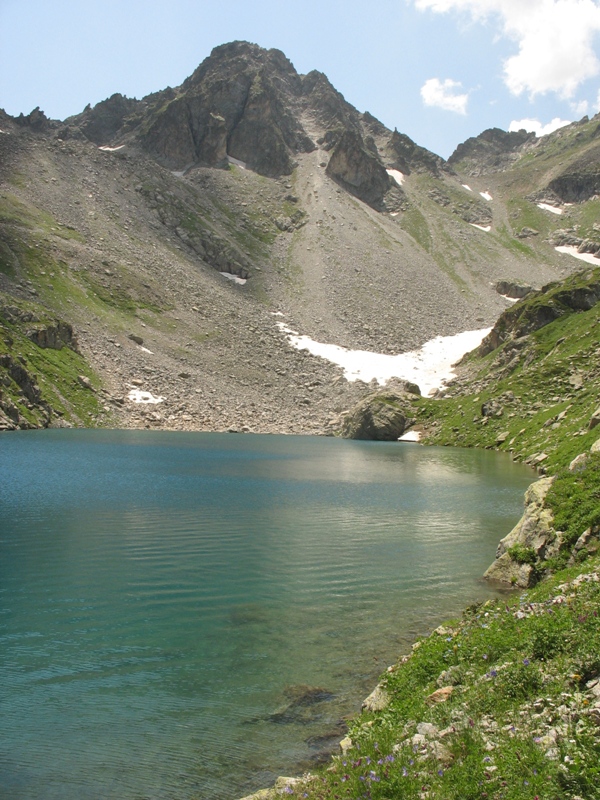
(189,615)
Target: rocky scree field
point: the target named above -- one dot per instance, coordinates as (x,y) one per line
(137,221)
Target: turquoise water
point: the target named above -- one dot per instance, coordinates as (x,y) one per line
(166,599)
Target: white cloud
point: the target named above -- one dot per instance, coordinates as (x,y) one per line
(535,126)
(580,108)
(442,94)
(555,40)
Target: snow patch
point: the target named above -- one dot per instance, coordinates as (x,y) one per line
(234,278)
(468,188)
(277,314)
(179,173)
(430,367)
(394,213)
(237,162)
(147,398)
(108,149)
(398,176)
(486,228)
(145,350)
(486,195)
(573,251)
(410,436)
(547,207)
(510,299)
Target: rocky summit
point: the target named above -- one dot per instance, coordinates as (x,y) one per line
(148,248)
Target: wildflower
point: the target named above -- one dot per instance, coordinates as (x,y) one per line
(404,772)
(288,790)
(345,778)
(440,772)
(526,662)
(493,673)
(484,657)
(389,758)
(374,776)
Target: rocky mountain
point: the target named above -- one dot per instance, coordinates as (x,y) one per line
(171,234)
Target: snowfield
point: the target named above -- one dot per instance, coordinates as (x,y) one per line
(430,367)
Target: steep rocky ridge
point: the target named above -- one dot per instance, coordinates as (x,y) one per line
(491,151)
(133,219)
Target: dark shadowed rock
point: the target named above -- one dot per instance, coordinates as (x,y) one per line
(407,156)
(102,122)
(359,170)
(513,289)
(36,120)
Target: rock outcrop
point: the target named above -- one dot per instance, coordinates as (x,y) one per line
(407,156)
(513,289)
(531,541)
(238,102)
(382,417)
(359,170)
(491,151)
(580,292)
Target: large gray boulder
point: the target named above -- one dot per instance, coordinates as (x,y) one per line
(382,417)
(531,541)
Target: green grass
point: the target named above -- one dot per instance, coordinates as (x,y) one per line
(56,373)
(415,224)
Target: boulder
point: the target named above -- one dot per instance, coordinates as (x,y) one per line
(381,416)
(378,700)
(579,463)
(440,695)
(594,420)
(512,288)
(534,533)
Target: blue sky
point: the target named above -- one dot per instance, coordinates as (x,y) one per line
(438,70)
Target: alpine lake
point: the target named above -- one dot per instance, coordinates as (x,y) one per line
(190,615)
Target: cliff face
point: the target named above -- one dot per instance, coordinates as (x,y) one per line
(251,105)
